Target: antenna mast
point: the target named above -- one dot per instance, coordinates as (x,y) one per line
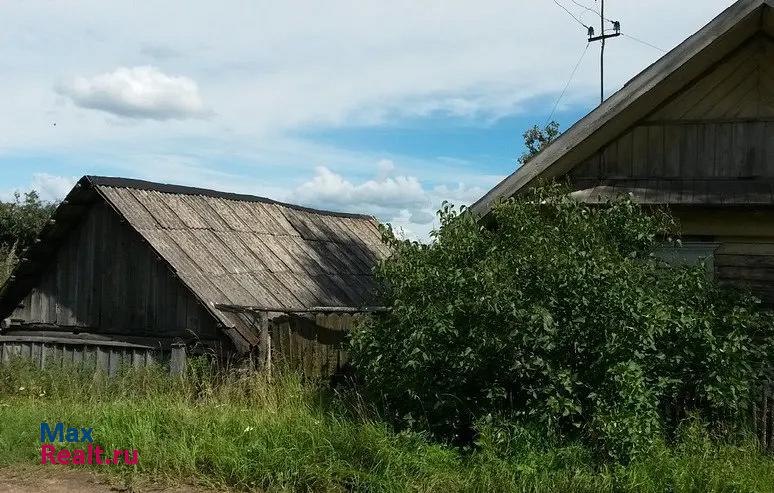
(602,37)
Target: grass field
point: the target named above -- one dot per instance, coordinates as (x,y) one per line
(246,433)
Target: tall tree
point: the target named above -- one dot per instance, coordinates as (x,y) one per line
(536,139)
(21,219)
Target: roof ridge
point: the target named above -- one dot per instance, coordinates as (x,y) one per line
(119,182)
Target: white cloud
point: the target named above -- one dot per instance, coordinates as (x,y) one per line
(138,92)
(421,217)
(400,200)
(274,67)
(50,188)
(327,187)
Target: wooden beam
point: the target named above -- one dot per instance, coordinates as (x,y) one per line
(312,309)
(71,341)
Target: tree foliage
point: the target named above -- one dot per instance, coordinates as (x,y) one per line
(557,315)
(20,222)
(536,139)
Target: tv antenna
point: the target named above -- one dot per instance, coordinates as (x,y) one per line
(602,37)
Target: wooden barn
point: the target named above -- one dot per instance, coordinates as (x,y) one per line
(126,271)
(694,132)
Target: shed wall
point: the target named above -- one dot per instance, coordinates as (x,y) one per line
(312,344)
(106,280)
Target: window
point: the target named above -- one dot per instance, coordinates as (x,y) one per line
(690,253)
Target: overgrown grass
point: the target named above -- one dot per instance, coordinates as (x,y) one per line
(286,435)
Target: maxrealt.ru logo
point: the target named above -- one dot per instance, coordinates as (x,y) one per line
(92,454)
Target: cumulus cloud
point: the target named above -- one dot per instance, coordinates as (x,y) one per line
(137,92)
(50,187)
(327,187)
(401,200)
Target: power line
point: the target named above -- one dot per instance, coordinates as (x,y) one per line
(644,42)
(571,14)
(572,75)
(586,7)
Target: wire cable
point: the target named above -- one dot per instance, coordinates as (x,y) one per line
(643,42)
(595,12)
(571,14)
(572,75)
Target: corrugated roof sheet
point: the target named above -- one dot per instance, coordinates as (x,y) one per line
(242,250)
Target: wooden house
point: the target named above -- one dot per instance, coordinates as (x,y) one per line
(694,132)
(125,269)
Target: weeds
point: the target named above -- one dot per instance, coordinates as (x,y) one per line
(244,432)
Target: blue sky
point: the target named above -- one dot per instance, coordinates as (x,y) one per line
(376,107)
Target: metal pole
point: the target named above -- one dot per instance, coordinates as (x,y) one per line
(602,53)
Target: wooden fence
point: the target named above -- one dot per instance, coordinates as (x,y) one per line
(101,355)
(763,416)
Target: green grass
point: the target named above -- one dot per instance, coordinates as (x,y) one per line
(246,433)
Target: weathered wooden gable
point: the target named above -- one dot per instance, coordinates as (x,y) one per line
(711,143)
(105,279)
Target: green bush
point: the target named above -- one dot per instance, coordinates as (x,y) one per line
(556,314)
(20,222)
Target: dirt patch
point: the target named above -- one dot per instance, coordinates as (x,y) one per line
(53,479)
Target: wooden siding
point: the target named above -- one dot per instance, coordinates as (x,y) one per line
(91,355)
(312,344)
(106,279)
(742,149)
(719,127)
(740,87)
(747,264)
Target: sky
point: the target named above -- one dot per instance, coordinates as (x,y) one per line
(385,108)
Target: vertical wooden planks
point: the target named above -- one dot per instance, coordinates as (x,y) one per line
(181,310)
(705,162)
(689,151)
(673,140)
(624,163)
(755,151)
(724,163)
(655,151)
(742,150)
(768,152)
(640,152)
(609,162)
(36,309)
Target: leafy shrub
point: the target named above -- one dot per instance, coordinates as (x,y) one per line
(556,314)
(20,222)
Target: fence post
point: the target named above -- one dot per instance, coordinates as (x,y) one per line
(177,362)
(764,415)
(769,424)
(264,343)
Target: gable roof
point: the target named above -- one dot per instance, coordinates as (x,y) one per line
(227,249)
(640,96)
